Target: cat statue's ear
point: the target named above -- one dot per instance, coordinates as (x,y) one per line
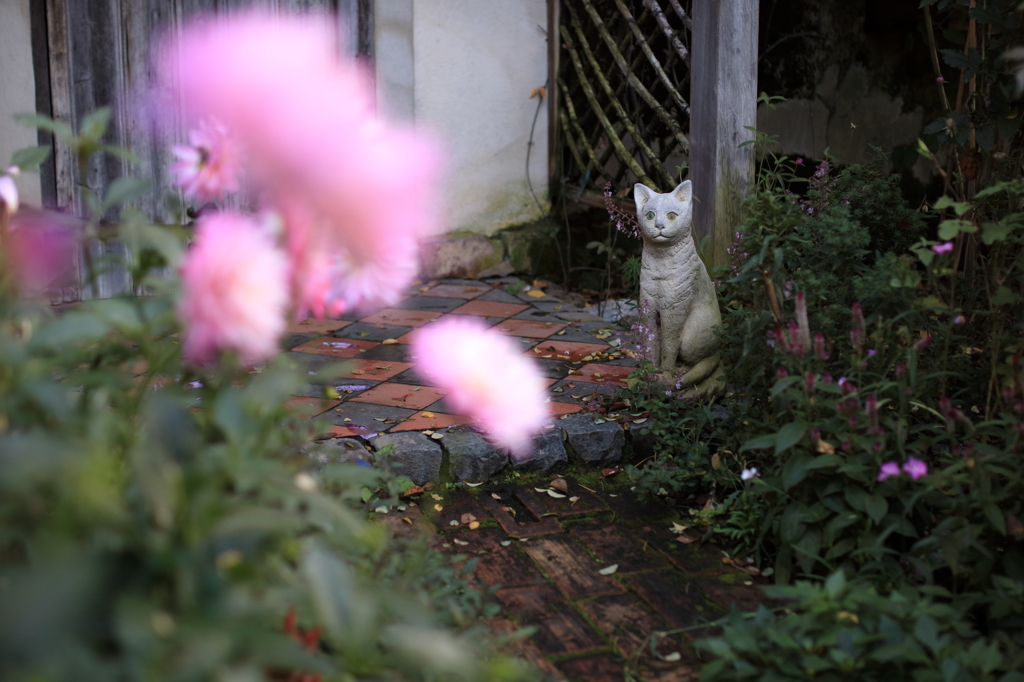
(642,194)
(684,192)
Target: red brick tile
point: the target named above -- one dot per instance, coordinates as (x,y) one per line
(565,561)
(529,328)
(586,502)
(436,420)
(609,374)
(626,622)
(560,629)
(314,326)
(600,668)
(333,431)
(564,350)
(526,649)
(399,395)
(402,318)
(339,348)
(455,291)
(309,407)
(610,545)
(531,525)
(378,370)
(678,600)
(557,409)
(506,566)
(489,309)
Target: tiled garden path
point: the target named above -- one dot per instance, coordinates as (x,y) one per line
(381,390)
(544,555)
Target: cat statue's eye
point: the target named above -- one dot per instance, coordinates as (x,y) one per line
(672,216)
(650,215)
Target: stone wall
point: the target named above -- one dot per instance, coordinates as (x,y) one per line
(17,90)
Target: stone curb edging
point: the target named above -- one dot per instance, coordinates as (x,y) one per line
(462,454)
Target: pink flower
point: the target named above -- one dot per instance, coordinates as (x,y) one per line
(888,470)
(40,250)
(915,468)
(485,376)
(209,166)
(799,161)
(356,193)
(234,290)
(945,247)
(940,79)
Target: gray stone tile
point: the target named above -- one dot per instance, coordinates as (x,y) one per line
(536,315)
(430,303)
(367,415)
(346,388)
(415,455)
(548,452)
(392,352)
(592,443)
(371,332)
(498,296)
(292,339)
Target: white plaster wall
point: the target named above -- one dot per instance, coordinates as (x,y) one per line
(475,64)
(17,90)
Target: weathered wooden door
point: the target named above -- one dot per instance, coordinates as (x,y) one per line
(97,53)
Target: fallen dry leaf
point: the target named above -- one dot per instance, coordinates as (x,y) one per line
(467,518)
(496,496)
(686,539)
(438,507)
(473,525)
(539,91)
(406,519)
(825,448)
(535,293)
(741,565)
(716,460)
(560,485)
(609,472)
(415,490)
(460,542)
(552,493)
(608,570)
(388,342)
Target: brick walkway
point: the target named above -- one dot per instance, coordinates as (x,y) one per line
(382,392)
(545,556)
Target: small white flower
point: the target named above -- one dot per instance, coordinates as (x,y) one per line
(748,474)
(9,194)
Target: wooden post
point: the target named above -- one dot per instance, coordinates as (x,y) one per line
(723,97)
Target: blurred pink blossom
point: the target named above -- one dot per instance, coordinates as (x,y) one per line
(888,470)
(944,247)
(40,250)
(234,290)
(209,166)
(915,468)
(362,190)
(485,376)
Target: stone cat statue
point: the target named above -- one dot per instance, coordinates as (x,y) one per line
(682,300)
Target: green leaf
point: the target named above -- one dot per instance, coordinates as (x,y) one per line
(1004,296)
(95,123)
(835,584)
(782,384)
(822,461)
(795,470)
(960,207)
(789,435)
(765,441)
(995,516)
(949,229)
(59,128)
(926,630)
(29,158)
(994,232)
(124,190)
(141,236)
(876,506)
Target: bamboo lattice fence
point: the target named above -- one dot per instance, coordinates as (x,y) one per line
(623,89)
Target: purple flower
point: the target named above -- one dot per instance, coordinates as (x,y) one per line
(915,468)
(888,470)
(940,79)
(799,161)
(944,247)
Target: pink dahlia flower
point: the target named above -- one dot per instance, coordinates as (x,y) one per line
(915,468)
(40,250)
(209,166)
(485,376)
(362,190)
(234,290)
(888,470)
